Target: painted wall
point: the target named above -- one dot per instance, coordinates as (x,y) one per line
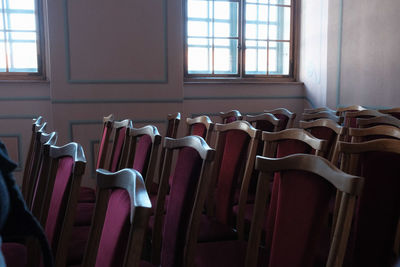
(121,57)
(313,49)
(363,55)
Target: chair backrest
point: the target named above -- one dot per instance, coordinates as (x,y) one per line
(186,199)
(395,112)
(105,140)
(325,129)
(381,120)
(315,110)
(173,124)
(265,122)
(350,118)
(201,126)
(285,115)
(57,195)
(306,184)
(236,146)
(120,220)
(37,125)
(121,129)
(230,116)
(281,144)
(141,150)
(342,110)
(378,209)
(37,164)
(321,115)
(376,132)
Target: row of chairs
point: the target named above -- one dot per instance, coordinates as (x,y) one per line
(181,224)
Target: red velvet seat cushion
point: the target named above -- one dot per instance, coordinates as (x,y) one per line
(114,236)
(183,189)
(77,244)
(84,214)
(87,195)
(58,203)
(232,160)
(142,154)
(15,254)
(199,129)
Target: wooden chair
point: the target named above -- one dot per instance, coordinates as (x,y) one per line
(381,120)
(265,122)
(230,116)
(120,220)
(341,111)
(56,195)
(395,112)
(37,162)
(190,180)
(105,140)
(141,150)
(378,209)
(33,151)
(285,115)
(350,118)
(316,110)
(321,115)
(121,129)
(307,181)
(325,129)
(277,145)
(201,126)
(173,124)
(367,134)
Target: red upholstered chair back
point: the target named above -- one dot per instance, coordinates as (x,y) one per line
(230,116)
(376,132)
(378,209)
(325,129)
(189,179)
(62,176)
(266,122)
(37,125)
(306,185)
(37,179)
(105,139)
(121,130)
(300,216)
(201,126)
(121,216)
(287,117)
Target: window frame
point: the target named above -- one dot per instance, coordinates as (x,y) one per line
(40,44)
(241,76)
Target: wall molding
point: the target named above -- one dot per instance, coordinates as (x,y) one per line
(44,98)
(116,101)
(70,80)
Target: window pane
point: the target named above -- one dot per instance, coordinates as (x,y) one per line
(2,56)
(225,56)
(22,22)
(25,36)
(280,23)
(256,58)
(279,53)
(221,29)
(222,10)
(198,9)
(199,60)
(279,2)
(1,23)
(198,28)
(24,57)
(21,4)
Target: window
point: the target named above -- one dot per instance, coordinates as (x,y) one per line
(20,40)
(239,38)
